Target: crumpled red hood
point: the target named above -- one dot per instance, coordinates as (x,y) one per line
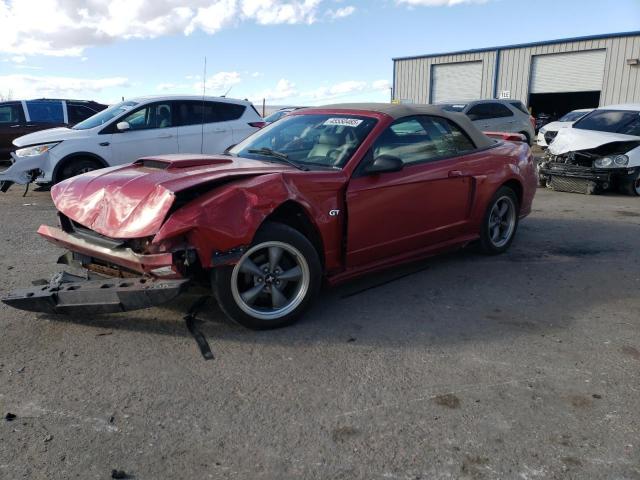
(132,201)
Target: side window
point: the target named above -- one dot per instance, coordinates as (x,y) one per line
(11,113)
(42,111)
(78,113)
(195,113)
(481,111)
(229,111)
(499,110)
(156,115)
(422,139)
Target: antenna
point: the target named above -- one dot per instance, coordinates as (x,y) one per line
(204,91)
(227,92)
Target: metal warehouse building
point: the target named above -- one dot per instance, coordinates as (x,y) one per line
(552,77)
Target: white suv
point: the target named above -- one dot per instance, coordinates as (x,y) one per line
(497,116)
(130,130)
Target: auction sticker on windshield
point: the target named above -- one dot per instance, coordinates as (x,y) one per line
(343,122)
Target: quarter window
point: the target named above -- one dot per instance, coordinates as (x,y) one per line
(78,113)
(157,115)
(42,111)
(195,113)
(11,113)
(485,111)
(422,139)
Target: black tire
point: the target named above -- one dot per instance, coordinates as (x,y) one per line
(230,298)
(487,243)
(76,166)
(631,186)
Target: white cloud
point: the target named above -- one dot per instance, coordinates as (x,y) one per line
(341,12)
(337,90)
(381,85)
(30,86)
(438,3)
(287,92)
(68,27)
(283,90)
(219,83)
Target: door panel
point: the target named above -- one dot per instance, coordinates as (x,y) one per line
(12,126)
(394,213)
(151,133)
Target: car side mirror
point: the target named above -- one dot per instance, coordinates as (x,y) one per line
(123,126)
(384,164)
(473,116)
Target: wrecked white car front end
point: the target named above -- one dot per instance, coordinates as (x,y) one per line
(587,161)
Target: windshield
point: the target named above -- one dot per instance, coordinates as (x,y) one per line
(326,140)
(572,116)
(105,116)
(453,107)
(626,122)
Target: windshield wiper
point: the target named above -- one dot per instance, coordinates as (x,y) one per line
(267,152)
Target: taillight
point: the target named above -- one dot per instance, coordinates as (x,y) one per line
(532,119)
(258,124)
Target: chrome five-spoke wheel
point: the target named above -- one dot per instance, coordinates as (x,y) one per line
(271,280)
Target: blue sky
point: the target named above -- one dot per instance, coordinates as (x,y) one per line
(287,51)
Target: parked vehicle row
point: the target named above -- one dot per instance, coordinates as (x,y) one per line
(19,118)
(127,131)
(497,116)
(600,151)
(326,193)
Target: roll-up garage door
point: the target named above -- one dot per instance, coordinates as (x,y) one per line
(456,81)
(568,72)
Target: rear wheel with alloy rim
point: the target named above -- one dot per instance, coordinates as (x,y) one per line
(500,222)
(274,281)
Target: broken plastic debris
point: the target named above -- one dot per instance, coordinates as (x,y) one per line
(118,474)
(9,417)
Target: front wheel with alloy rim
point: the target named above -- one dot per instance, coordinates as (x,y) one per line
(77,166)
(632,187)
(274,281)
(500,222)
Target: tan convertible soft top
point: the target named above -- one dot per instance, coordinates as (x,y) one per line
(407,110)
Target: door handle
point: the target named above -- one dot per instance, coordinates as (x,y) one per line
(219,130)
(455,173)
(104,144)
(165,136)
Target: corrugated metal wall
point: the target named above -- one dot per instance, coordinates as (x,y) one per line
(621,83)
(413,77)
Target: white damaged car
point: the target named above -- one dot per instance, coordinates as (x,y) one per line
(599,152)
(547,133)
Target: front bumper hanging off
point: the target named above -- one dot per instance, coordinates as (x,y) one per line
(580,179)
(69,294)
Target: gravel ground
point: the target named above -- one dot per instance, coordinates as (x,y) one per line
(520,366)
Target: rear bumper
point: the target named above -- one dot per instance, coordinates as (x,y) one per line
(121,257)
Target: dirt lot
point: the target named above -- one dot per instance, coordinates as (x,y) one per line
(521,366)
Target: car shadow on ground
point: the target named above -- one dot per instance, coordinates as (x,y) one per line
(555,265)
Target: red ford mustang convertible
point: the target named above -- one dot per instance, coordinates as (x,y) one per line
(324,193)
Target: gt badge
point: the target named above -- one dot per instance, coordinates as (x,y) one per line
(334,213)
